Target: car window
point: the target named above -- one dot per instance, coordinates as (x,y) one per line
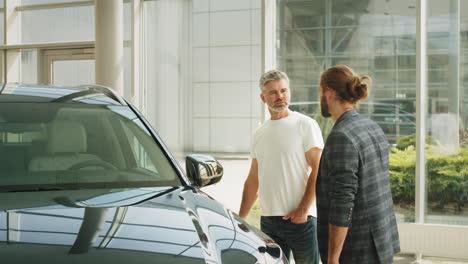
(74,145)
(138,151)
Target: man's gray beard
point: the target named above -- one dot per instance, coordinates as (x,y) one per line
(278,109)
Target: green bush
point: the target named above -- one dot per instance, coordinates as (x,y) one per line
(402,174)
(325,124)
(253,217)
(410,140)
(447,179)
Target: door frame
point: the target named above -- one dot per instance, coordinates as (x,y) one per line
(47,57)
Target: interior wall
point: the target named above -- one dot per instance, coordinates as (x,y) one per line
(226,65)
(165,86)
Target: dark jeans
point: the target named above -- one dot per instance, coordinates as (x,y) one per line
(301,239)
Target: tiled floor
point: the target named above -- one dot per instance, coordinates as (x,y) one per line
(229,190)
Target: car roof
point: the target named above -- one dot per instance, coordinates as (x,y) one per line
(32,93)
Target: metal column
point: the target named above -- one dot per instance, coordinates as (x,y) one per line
(421,109)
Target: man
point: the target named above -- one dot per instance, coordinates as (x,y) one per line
(444,127)
(284,149)
(356,221)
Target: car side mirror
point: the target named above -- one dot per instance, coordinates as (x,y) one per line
(203,170)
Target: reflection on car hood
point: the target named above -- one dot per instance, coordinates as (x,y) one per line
(147,225)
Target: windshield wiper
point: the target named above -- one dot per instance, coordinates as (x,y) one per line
(33,189)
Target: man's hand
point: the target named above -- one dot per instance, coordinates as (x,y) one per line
(336,239)
(298,215)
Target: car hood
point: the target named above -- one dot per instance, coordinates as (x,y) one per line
(146,225)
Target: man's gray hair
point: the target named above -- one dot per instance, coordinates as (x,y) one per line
(273,75)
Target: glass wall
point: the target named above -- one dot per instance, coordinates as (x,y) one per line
(378,38)
(29,65)
(48,24)
(37,2)
(57,24)
(226,66)
(447,144)
(2,27)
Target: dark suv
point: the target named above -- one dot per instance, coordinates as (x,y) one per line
(85,179)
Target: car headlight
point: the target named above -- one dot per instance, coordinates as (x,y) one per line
(273,254)
(271,250)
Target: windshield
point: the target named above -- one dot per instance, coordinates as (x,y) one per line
(56,146)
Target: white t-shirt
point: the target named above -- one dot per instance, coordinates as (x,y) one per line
(279,147)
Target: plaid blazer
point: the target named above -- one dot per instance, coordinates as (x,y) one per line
(353,190)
